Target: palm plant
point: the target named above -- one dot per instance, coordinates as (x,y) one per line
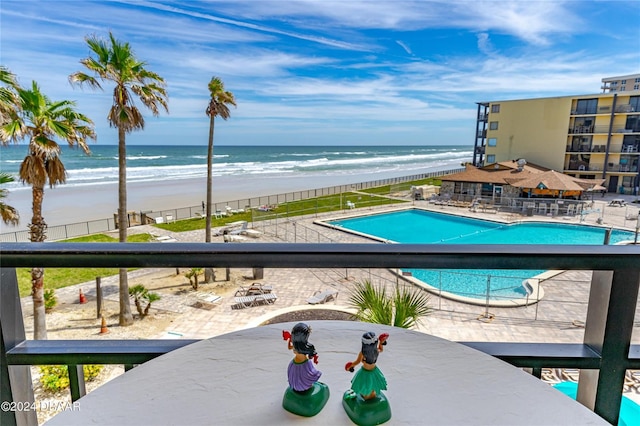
(115,62)
(9,103)
(9,214)
(403,309)
(42,121)
(218,106)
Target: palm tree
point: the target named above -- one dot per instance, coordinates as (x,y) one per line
(9,214)
(115,62)
(42,121)
(403,309)
(9,102)
(9,106)
(218,106)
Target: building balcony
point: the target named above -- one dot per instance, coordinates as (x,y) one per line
(625,108)
(584,111)
(604,355)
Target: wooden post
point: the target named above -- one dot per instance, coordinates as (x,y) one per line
(98,297)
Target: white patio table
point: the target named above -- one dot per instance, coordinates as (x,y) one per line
(240,379)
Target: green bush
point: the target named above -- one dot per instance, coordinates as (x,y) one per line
(50,299)
(56,377)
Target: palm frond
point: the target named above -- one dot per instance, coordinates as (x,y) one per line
(10,215)
(403,309)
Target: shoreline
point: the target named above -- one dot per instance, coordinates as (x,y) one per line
(65,205)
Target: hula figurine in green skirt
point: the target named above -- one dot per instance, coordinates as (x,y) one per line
(305,396)
(365,403)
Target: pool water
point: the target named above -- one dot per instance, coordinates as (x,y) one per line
(629,410)
(423,227)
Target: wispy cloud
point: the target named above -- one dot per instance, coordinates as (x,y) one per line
(328,68)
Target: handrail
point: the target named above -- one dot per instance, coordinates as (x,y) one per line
(290,255)
(606,348)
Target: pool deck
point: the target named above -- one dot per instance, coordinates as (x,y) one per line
(558,317)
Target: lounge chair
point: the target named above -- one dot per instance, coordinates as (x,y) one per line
(230,238)
(170,218)
(253,289)
(251,233)
(323,297)
(237,228)
(254,300)
(351,204)
(159,219)
(164,238)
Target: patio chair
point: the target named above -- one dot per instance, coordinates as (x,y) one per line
(254,300)
(323,297)
(542,209)
(253,289)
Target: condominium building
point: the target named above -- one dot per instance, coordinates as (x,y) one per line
(622,83)
(586,136)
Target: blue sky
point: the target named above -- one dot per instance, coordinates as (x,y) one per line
(324,72)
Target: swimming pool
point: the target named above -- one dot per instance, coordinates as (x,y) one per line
(629,409)
(425,227)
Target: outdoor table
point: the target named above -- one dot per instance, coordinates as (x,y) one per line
(240,379)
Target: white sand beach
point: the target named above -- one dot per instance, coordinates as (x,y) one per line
(70,204)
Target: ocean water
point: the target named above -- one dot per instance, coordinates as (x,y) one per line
(162,163)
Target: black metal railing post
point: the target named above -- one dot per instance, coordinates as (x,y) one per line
(15,380)
(608,329)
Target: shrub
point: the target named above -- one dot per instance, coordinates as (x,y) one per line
(50,300)
(56,377)
(140,293)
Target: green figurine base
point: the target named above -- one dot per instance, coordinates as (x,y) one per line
(307,403)
(366,412)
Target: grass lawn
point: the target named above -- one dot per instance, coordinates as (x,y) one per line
(55,278)
(323,204)
(402,186)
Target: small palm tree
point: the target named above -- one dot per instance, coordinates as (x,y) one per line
(403,309)
(140,293)
(218,106)
(42,121)
(9,214)
(115,62)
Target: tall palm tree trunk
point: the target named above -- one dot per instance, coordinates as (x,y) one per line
(37,230)
(208,272)
(125,318)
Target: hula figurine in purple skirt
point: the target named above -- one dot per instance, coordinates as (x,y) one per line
(365,403)
(305,396)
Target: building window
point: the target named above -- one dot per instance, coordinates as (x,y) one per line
(623,82)
(493,125)
(636,86)
(614,83)
(622,88)
(637,80)
(493,141)
(587,106)
(495,108)
(491,158)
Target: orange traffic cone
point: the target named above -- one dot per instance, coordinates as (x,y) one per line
(103,326)
(83,299)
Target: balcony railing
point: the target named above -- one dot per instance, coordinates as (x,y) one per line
(606,351)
